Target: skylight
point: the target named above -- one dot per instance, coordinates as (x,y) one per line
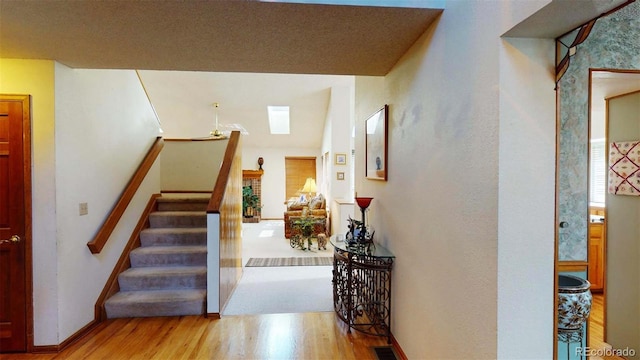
(278,119)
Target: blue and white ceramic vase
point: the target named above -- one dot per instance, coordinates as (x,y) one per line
(574,302)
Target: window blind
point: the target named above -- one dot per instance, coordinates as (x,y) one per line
(297,170)
(597,172)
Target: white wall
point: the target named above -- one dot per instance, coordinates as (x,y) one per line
(273,179)
(526,199)
(89,131)
(191,165)
(439,211)
(337,140)
(104,127)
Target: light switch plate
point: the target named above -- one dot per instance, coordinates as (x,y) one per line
(84,209)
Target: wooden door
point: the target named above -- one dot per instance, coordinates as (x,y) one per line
(14,113)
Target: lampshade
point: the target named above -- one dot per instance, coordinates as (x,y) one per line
(309,186)
(364,202)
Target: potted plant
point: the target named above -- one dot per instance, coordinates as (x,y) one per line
(305,224)
(250,201)
(305,227)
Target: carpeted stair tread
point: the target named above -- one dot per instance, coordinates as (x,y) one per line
(168,255)
(165,219)
(156,303)
(168,274)
(180,213)
(205,197)
(185,203)
(163,278)
(173,236)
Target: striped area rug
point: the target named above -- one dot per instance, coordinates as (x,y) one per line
(290,261)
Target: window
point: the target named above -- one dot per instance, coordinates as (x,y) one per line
(597,172)
(278,119)
(297,170)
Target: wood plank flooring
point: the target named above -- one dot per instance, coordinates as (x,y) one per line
(596,325)
(274,336)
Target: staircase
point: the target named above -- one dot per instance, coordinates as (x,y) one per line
(168,274)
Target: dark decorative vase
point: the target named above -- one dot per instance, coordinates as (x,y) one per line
(260,162)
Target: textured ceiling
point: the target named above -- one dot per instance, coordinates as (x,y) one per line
(235,53)
(219,46)
(242,36)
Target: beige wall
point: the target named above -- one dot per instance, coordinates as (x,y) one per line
(473,276)
(623,238)
(191,165)
(104,127)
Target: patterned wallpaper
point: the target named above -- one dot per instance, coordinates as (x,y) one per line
(613,44)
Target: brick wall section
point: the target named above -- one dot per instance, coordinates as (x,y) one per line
(256,186)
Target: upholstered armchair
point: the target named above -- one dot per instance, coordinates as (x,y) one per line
(316,207)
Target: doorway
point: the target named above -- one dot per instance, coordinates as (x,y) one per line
(279,278)
(592,47)
(277,275)
(15,223)
(608,87)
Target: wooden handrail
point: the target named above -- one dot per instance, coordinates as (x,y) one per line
(110,223)
(223,176)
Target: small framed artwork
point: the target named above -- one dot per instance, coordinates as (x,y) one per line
(340,175)
(376,126)
(341,159)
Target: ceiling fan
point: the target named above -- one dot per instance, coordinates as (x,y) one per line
(222,131)
(222,134)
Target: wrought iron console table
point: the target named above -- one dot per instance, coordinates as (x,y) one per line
(362,287)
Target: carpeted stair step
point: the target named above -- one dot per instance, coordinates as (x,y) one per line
(168,256)
(156,303)
(168,274)
(191,203)
(173,236)
(163,278)
(181,219)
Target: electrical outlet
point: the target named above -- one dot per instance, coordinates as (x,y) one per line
(84,209)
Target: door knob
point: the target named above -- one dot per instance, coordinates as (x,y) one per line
(12,240)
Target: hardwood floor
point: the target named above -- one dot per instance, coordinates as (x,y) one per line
(274,336)
(596,325)
(596,317)
(308,336)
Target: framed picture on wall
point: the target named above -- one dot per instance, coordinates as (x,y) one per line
(341,159)
(376,127)
(340,175)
